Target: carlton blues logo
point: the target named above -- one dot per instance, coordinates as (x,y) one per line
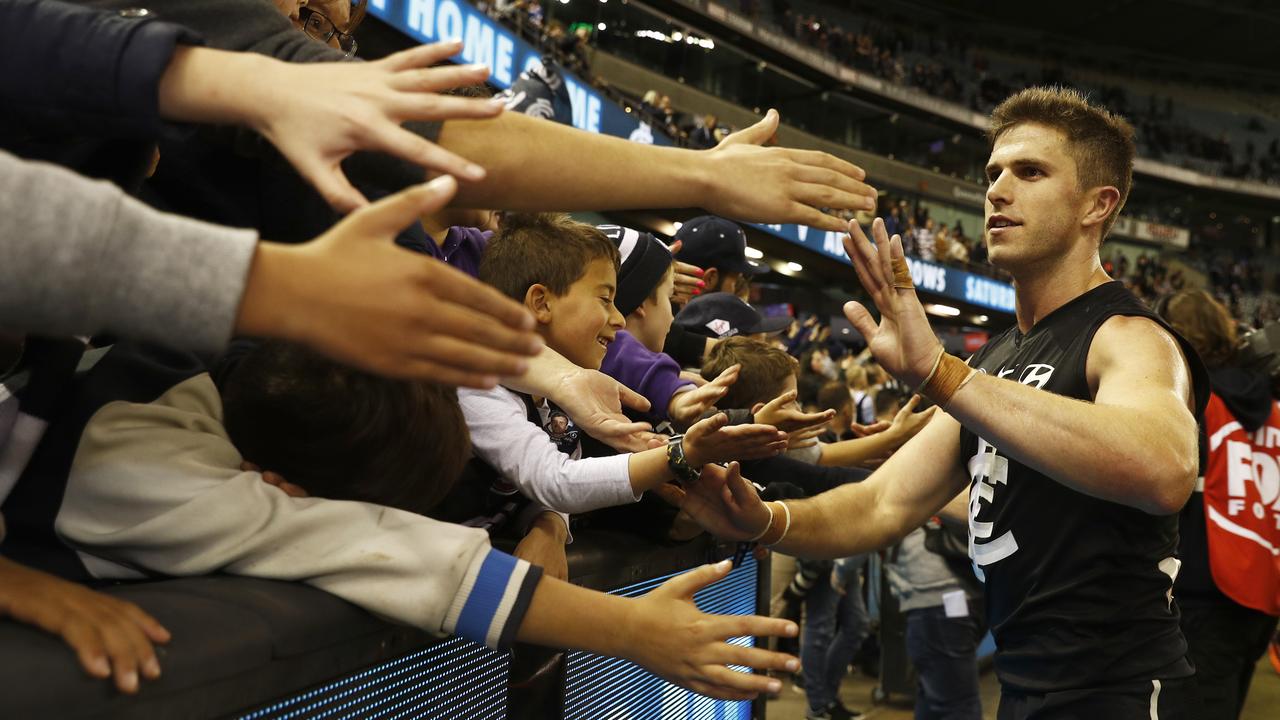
(988,471)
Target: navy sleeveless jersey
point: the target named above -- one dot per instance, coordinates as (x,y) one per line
(1078,588)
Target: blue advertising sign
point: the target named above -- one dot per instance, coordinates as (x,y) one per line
(489,43)
(929,276)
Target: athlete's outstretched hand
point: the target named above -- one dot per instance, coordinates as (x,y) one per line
(773,184)
(903,343)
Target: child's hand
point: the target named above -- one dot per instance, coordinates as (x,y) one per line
(109,635)
(543,546)
(685,646)
(276,480)
(908,422)
(785,414)
(713,440)
(686,407)
(860,430)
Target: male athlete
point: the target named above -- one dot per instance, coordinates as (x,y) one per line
(1075,432)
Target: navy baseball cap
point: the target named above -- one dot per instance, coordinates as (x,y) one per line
(722,315)
(644,261)
(716,242)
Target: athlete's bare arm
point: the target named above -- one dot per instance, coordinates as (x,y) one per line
(1134,445)
(911,486)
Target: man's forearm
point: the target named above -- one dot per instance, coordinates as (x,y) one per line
(1115,453)
(840,522)
(525,160)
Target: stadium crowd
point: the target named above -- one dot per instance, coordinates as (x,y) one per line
(945,64)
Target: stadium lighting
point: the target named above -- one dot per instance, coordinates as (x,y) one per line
(753,253)
(600,26)
(795,266)
(944,310)
(677,36)
(983,318)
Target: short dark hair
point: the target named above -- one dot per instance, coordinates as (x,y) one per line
(1101,141)
(550,249)
(834,396)
(342,433)
(764,369)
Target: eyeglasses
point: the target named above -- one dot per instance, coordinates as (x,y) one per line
(318,26)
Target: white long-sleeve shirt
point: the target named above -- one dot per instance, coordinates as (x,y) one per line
(156,489)
(521,452)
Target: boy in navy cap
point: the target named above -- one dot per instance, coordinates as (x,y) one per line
(719,247)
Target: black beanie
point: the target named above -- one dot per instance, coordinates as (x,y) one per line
(644,261)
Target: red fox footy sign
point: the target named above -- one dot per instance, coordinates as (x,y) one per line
(1242,507)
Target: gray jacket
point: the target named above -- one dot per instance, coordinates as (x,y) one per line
(80,257)
(917,577)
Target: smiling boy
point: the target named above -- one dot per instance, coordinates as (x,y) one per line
(565,273)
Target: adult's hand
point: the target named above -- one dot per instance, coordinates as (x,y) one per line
(317,114)
(354,295)
(903,343)
(688,278)
(594,401)
(686,407)
(687,647)
(109,636)
(713,440)
(723,502)
(772,184)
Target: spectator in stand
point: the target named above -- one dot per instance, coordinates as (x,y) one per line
(704,136)
(925,243)
(649,103)
(910,236)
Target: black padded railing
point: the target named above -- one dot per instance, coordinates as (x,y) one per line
(259,649)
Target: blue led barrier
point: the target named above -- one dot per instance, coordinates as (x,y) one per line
(453,679)
(464,680)
(603,687)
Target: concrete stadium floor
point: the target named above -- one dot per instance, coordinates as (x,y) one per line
(1263,702)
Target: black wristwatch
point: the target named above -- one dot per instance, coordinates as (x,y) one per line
(677,462)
